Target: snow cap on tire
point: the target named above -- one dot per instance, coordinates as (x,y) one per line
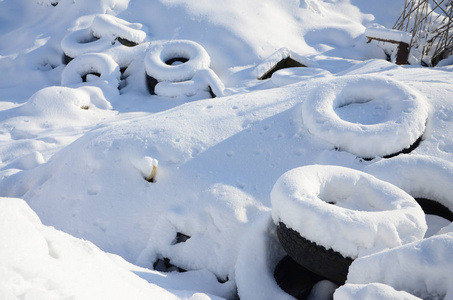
(368,215)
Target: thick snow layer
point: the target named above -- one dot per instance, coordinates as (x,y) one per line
(200,82)
(294,75)
(107,25)
(279,55)
(421,268)
(39,262)
(390,35)
(419,175)
(371,291)
(346,210)
(366,115)
(256,262)
(82,155)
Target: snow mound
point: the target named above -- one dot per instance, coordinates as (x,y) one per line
(421,176)
(368,215)
(371,291)
(421,268)
(39,262)
(293,75)
(258,256)
(366,115)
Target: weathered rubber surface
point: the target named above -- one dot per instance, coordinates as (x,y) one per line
(324,262)
(295,279)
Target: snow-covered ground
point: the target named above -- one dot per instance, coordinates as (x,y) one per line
(79,220)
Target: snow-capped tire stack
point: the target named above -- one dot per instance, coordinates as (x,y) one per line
(327,216)
(174,69)
(180,68)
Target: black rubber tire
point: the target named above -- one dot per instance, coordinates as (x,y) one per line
(295,279)
(324,262)
(126,42)
(404,151)
(432,207)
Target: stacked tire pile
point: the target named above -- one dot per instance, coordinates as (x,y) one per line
(327,217)
(174,69)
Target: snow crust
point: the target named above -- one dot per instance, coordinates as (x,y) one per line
(366,215)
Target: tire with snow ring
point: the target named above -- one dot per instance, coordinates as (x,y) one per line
(427,179)
(180,68)
(326,206)
(102,65)
(158,58)
(83,41)
(101,35)
(324,262)
(367,116)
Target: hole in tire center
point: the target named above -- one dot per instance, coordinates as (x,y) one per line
(176,61)
(366,111)
(90,74)
(89,39)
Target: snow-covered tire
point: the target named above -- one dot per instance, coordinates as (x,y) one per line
(395,116)
(203,80)
(101,35)
(83,41)
(428,179)
(345,210)
(325,262)
(91,63)
(159,57)
(128,34)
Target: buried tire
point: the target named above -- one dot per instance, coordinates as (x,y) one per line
(427,179)
(325,222)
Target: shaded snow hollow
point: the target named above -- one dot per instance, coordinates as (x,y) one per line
(100,178)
